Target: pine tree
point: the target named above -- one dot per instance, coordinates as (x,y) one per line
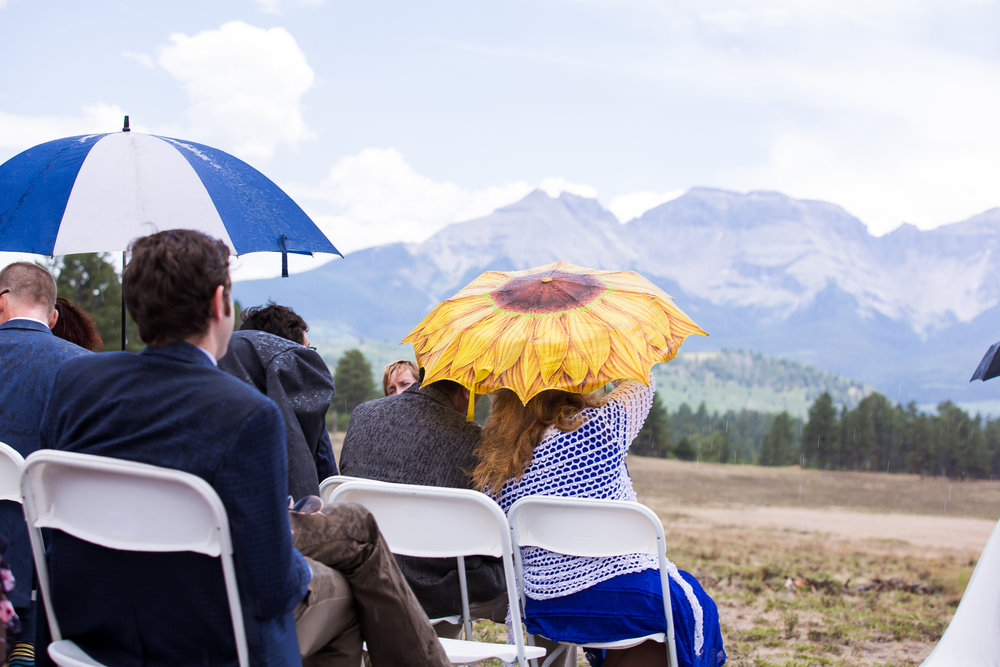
(726,454)
(685,450)
(654,437)
(353,380)
(90,282)
(821,435)
(778,448)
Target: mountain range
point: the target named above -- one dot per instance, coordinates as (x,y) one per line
(909,313)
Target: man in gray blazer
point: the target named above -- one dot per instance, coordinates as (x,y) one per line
(420,436)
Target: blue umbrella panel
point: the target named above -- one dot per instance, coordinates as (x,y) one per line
(95,193)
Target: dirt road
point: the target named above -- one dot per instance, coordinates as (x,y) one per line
(937,533)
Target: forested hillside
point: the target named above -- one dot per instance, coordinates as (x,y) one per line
(876,435)
(740,414)
(743,380)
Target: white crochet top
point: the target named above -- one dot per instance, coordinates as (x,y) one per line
(588,463)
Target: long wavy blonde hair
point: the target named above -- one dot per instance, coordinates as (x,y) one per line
(513,430)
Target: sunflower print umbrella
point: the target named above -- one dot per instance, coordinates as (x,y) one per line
(557,326)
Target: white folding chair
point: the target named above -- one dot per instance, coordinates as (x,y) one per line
(591,527)
(11,463)
(971,637)
(128,506)
(439,522)
(327,486)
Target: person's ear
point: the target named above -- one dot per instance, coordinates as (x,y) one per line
(54,318)
(219,303)
(460,400)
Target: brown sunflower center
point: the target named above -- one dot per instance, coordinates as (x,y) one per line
(550,292)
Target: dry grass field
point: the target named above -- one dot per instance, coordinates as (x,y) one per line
(817,568)
(820,568)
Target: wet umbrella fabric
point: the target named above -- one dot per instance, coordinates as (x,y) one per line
(557,326)
(95,193)
(989,367)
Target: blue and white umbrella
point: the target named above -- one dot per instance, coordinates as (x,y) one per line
(97,192)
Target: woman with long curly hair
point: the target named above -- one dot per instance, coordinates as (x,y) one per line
(574,445)
(77,326)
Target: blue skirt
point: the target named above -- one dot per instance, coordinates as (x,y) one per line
(629,605)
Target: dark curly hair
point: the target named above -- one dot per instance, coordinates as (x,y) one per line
(169,282)
(77,326)
(274,319)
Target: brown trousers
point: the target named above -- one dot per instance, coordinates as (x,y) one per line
(377,605)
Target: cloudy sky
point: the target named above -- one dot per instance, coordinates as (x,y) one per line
(387,121)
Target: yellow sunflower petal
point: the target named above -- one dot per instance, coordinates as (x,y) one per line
(622,330)
(575,365)
(588,336)
(444,323)
(478,338)
(550,345)
(621,366)
(526,375)
(508,348)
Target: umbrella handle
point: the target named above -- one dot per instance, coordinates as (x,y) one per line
(284,256)
(124,340)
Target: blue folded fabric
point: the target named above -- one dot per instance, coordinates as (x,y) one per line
(629,605)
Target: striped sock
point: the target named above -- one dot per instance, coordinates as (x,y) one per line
(22,655)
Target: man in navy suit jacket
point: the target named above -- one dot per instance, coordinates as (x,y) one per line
(169,405)
(29,356)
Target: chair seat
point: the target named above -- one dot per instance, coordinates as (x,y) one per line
(66,653)
(460,651)
(626,643)
(454,620)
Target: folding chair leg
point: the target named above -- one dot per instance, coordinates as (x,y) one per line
(463,588)
(557,653)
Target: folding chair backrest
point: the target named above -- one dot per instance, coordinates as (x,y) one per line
(440,522)
(11,463)
(431,521)
(586,527)
(596,528)
(327,486)
(128,506)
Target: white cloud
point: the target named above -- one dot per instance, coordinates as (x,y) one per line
(18,133)
(245,85)
(630,206)
(555,186)
(903,139)
(376,197)
(886,108)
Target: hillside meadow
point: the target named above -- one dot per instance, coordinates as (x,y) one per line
(820,568)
